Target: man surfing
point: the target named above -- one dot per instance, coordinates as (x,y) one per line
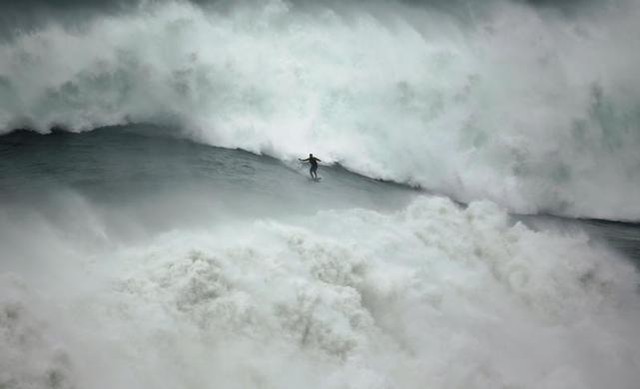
(313,161)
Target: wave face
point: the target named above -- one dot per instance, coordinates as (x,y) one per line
(530,107)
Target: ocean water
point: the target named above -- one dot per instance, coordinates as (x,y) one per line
(476,225)
(132,259)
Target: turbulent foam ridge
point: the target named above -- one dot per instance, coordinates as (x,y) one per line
(33,355)
(434,295)
(535,111)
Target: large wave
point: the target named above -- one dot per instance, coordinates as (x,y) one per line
(534,109)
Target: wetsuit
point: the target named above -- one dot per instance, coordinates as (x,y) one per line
(314,166)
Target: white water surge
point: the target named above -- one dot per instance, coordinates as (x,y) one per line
(430,296)
(129,260)
(534,110)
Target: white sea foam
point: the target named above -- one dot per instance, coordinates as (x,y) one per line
(431,296)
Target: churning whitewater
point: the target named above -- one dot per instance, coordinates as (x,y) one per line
(158,231)
(430,296)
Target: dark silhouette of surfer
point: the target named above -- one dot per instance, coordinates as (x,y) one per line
(313,161)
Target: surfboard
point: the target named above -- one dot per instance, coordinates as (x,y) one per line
(316,179)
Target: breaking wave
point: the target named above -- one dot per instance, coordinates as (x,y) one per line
(528,107)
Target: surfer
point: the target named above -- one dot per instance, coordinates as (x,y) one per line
(314,165)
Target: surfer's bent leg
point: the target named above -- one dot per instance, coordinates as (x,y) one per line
(313,173)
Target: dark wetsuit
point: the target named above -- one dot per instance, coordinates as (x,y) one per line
(314,166)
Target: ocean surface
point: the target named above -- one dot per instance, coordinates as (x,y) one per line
(477,224)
